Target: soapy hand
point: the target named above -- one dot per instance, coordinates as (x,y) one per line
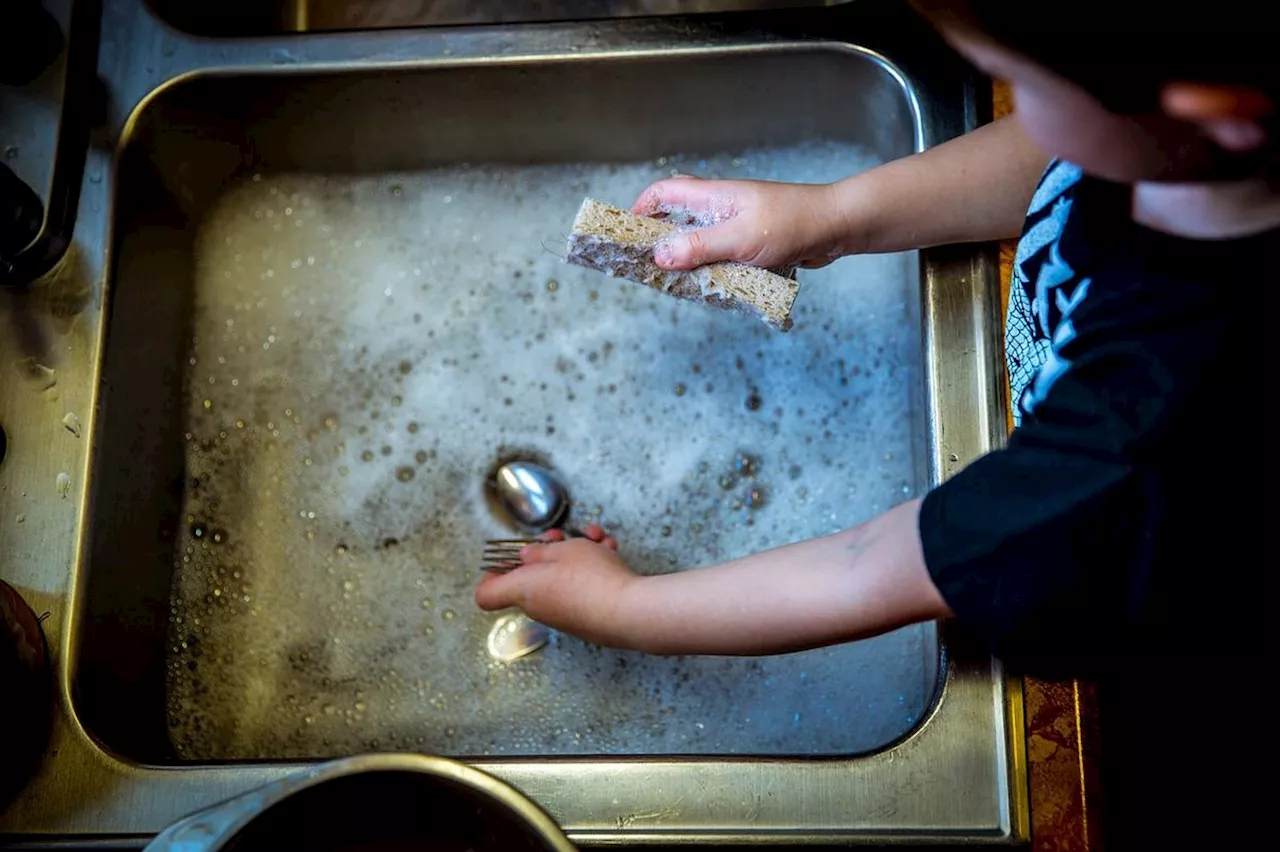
(761,223)
(574,585)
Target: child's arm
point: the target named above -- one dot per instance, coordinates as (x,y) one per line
(971,189)
(853,584)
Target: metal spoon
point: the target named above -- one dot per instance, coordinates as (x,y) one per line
(515,635)
(535,497)
(537,500)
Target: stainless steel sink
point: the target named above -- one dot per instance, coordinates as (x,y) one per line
(332,300)
(351,311)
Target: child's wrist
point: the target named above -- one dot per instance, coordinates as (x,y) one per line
(851,214)
(637,623)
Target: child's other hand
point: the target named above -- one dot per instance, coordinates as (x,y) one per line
(574,585)
(761,223)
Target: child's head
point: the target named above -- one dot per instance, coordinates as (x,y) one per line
(1132,92)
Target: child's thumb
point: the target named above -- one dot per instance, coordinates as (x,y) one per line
(691,249)
(497,591)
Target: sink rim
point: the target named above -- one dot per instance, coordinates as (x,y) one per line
(974,687)
(128,139)
(291,20)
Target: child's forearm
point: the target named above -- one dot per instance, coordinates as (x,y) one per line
(854,584)
(971,189)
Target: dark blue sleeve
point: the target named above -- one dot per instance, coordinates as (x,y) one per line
(1067,544)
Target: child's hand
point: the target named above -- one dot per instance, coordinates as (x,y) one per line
(574,585)
(837,588)
(765,224)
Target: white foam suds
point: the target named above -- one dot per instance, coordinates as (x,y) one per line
(367,347)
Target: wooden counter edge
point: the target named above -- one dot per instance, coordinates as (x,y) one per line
(1061,718)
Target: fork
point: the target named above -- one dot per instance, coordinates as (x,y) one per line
(503,554)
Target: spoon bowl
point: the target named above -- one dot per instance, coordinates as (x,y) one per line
(533,496)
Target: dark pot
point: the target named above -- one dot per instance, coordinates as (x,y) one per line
(373,803)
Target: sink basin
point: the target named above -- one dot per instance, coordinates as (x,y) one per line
(326,332)
(253,17)
(190,599)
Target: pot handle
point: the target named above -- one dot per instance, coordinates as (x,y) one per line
(50,242)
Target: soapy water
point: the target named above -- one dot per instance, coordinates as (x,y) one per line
(366,348)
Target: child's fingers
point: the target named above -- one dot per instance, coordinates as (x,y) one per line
(552,535)
(494,592)
(514,588)
(596,533)
(691,249)
(685,191)
(532,554)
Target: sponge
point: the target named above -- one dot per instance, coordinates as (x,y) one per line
(620,244)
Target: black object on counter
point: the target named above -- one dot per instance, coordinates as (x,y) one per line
(29,40)
(26,692)
(20,24)
(21,214)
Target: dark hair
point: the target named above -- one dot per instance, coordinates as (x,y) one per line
(1124,53)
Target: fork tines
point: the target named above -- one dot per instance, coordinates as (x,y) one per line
(503,554)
